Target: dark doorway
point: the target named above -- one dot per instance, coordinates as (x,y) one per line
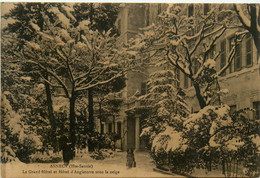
(131,133)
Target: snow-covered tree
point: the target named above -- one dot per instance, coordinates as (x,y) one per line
(102,18)
(102,15)
(75,57)
(187,43)
(163,104)
(19,138)
(22,99)
(19,18)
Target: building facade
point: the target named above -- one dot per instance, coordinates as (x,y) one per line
(241,78)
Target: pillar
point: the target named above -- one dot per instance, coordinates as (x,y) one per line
(137,133)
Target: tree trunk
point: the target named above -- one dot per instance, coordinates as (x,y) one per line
(223,167)
(72,121)
(91,118)
(253,29)
(200,98)
(51,114)
(100,117)
(91,110)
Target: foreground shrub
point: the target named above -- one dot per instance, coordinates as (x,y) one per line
(46,158)
(101,154)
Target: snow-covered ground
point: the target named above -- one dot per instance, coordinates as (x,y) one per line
(86,167)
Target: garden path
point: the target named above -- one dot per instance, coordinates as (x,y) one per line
(84,166)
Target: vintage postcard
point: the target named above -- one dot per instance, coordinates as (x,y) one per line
(130,89)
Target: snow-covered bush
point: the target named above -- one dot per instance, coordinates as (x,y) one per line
(61,105)
(102,141)
(102,154)
(97,155)
(209,138)
(216,135)
(40,157)
(170,151)
(8,155)
(168,140)
(17,139)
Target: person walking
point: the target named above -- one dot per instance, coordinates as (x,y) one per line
(130,158)
(66,150)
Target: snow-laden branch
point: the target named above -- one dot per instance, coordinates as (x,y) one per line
(59,53)
(92,80)
(99,83)
(196,45)
(85,75)
(230,59)
(72,78)
(53,74)
(253,15)
(51,84)
(66,61)
(185,45)
(70,71)
(221,129)
(215,31)
(242,17)
(210,47)
(175,63)
(258,17)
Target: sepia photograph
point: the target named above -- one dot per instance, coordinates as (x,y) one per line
(91,89)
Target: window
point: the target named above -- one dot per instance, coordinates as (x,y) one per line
(238,60)
(185,81)
(119,128)
(238,55)
(249,60)
(110,127)
(102,128)
(222,55)
(206,9)
(191,10)
(256,106)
